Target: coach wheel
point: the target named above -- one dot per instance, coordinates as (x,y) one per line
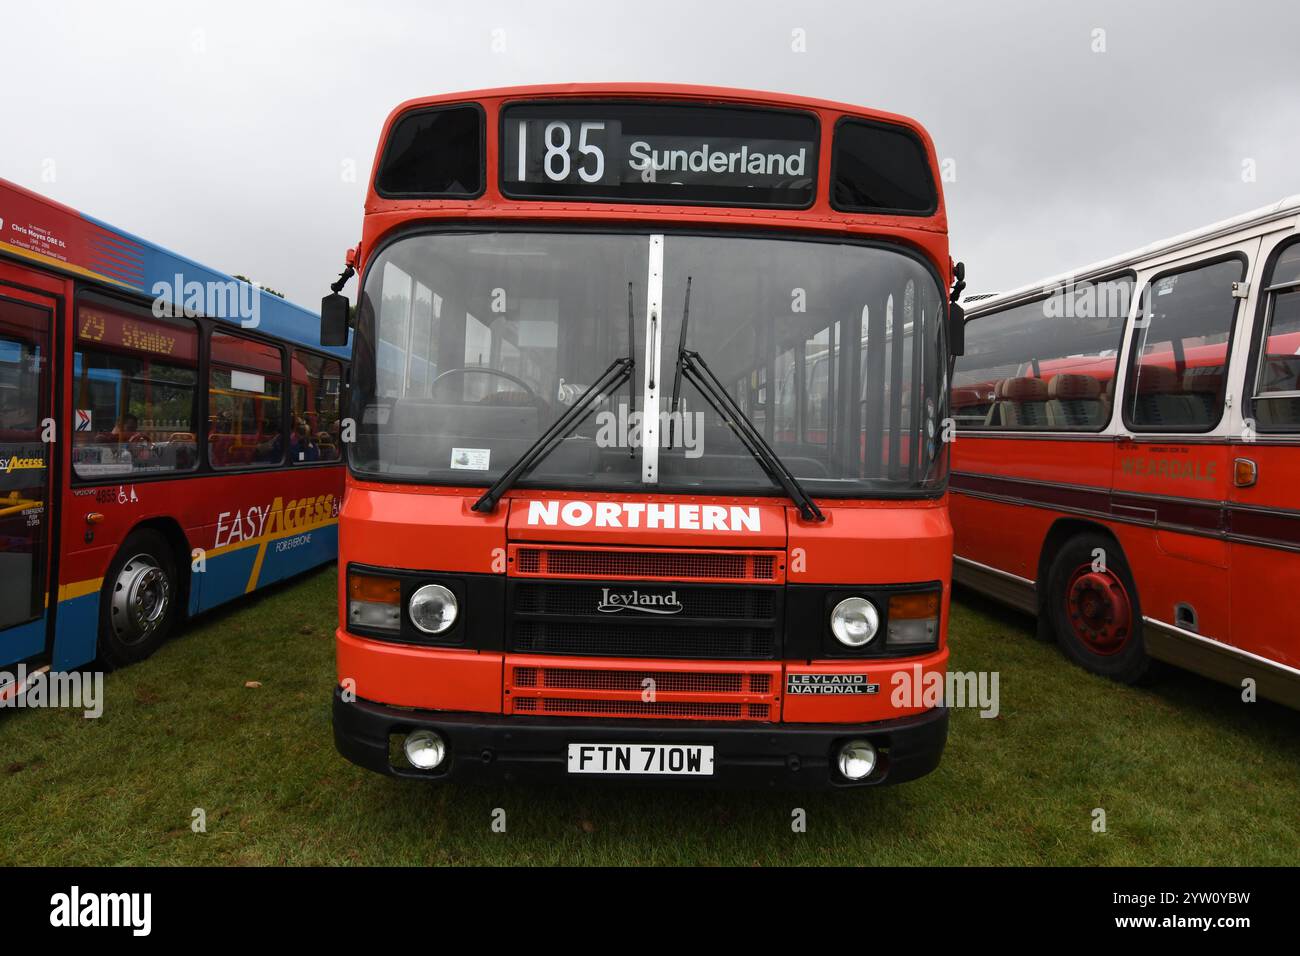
(1093,608)
(137,604)
(1099,611)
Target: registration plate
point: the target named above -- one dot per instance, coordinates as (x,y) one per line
(689,760)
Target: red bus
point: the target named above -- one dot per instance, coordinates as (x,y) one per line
(540,579)
(1127,456)
(168,440)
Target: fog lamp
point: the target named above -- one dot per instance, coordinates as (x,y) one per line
(857,759)
(425,749)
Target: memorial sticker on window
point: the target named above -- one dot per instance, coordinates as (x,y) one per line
(471,459)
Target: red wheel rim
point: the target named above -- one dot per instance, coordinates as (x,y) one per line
(1098,608)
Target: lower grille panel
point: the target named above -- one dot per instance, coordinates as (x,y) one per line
(608,640)
(635,689)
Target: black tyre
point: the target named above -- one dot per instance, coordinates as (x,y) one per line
(137,606)
(1092,605)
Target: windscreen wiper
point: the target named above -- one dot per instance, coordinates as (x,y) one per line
(696,371)
(607,383)
(675,401)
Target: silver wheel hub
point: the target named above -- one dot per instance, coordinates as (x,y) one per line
(141,595)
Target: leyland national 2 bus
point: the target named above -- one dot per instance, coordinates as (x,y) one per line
(646,482)
(1128,455)
(168,440)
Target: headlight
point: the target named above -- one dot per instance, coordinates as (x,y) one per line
(433,609)
(854,621)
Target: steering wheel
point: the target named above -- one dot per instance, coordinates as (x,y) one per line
(536,399)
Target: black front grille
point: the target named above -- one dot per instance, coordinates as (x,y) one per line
(710,622)
(697,601)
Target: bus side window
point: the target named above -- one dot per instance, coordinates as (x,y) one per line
(245,385)
(135,389)
(1275,405)
(1180,349)
(314,428)
(1046,365)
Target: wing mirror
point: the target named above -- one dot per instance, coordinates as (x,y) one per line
(956,330)
(956,314)
(335,315)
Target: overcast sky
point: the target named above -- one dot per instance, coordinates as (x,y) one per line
(223,129)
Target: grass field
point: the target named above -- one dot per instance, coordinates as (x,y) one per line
(1185,772)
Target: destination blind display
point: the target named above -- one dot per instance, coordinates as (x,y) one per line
(658,153)
(141,335)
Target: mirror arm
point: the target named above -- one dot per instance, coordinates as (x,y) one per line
(344,276)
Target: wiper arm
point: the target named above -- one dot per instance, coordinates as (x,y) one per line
(674,404)
(619,370)
(698,373)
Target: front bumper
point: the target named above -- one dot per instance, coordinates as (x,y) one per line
(491,748)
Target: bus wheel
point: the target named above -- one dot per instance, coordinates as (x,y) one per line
(1093,608)
(137,604)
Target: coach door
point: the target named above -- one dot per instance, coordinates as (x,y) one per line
(1171,470)
(1266,473)
(25,499)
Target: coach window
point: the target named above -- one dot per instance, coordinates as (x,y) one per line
(878,167)
(314,428)
(1179,357)
(245,411)
(135,385)
(1276,405)
(434,152)
(1046,365)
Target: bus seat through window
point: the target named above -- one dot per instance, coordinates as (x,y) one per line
(970,404)
(1107,398)
(1020,403)
(1158,398)
(1203,388)
(1075,401)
